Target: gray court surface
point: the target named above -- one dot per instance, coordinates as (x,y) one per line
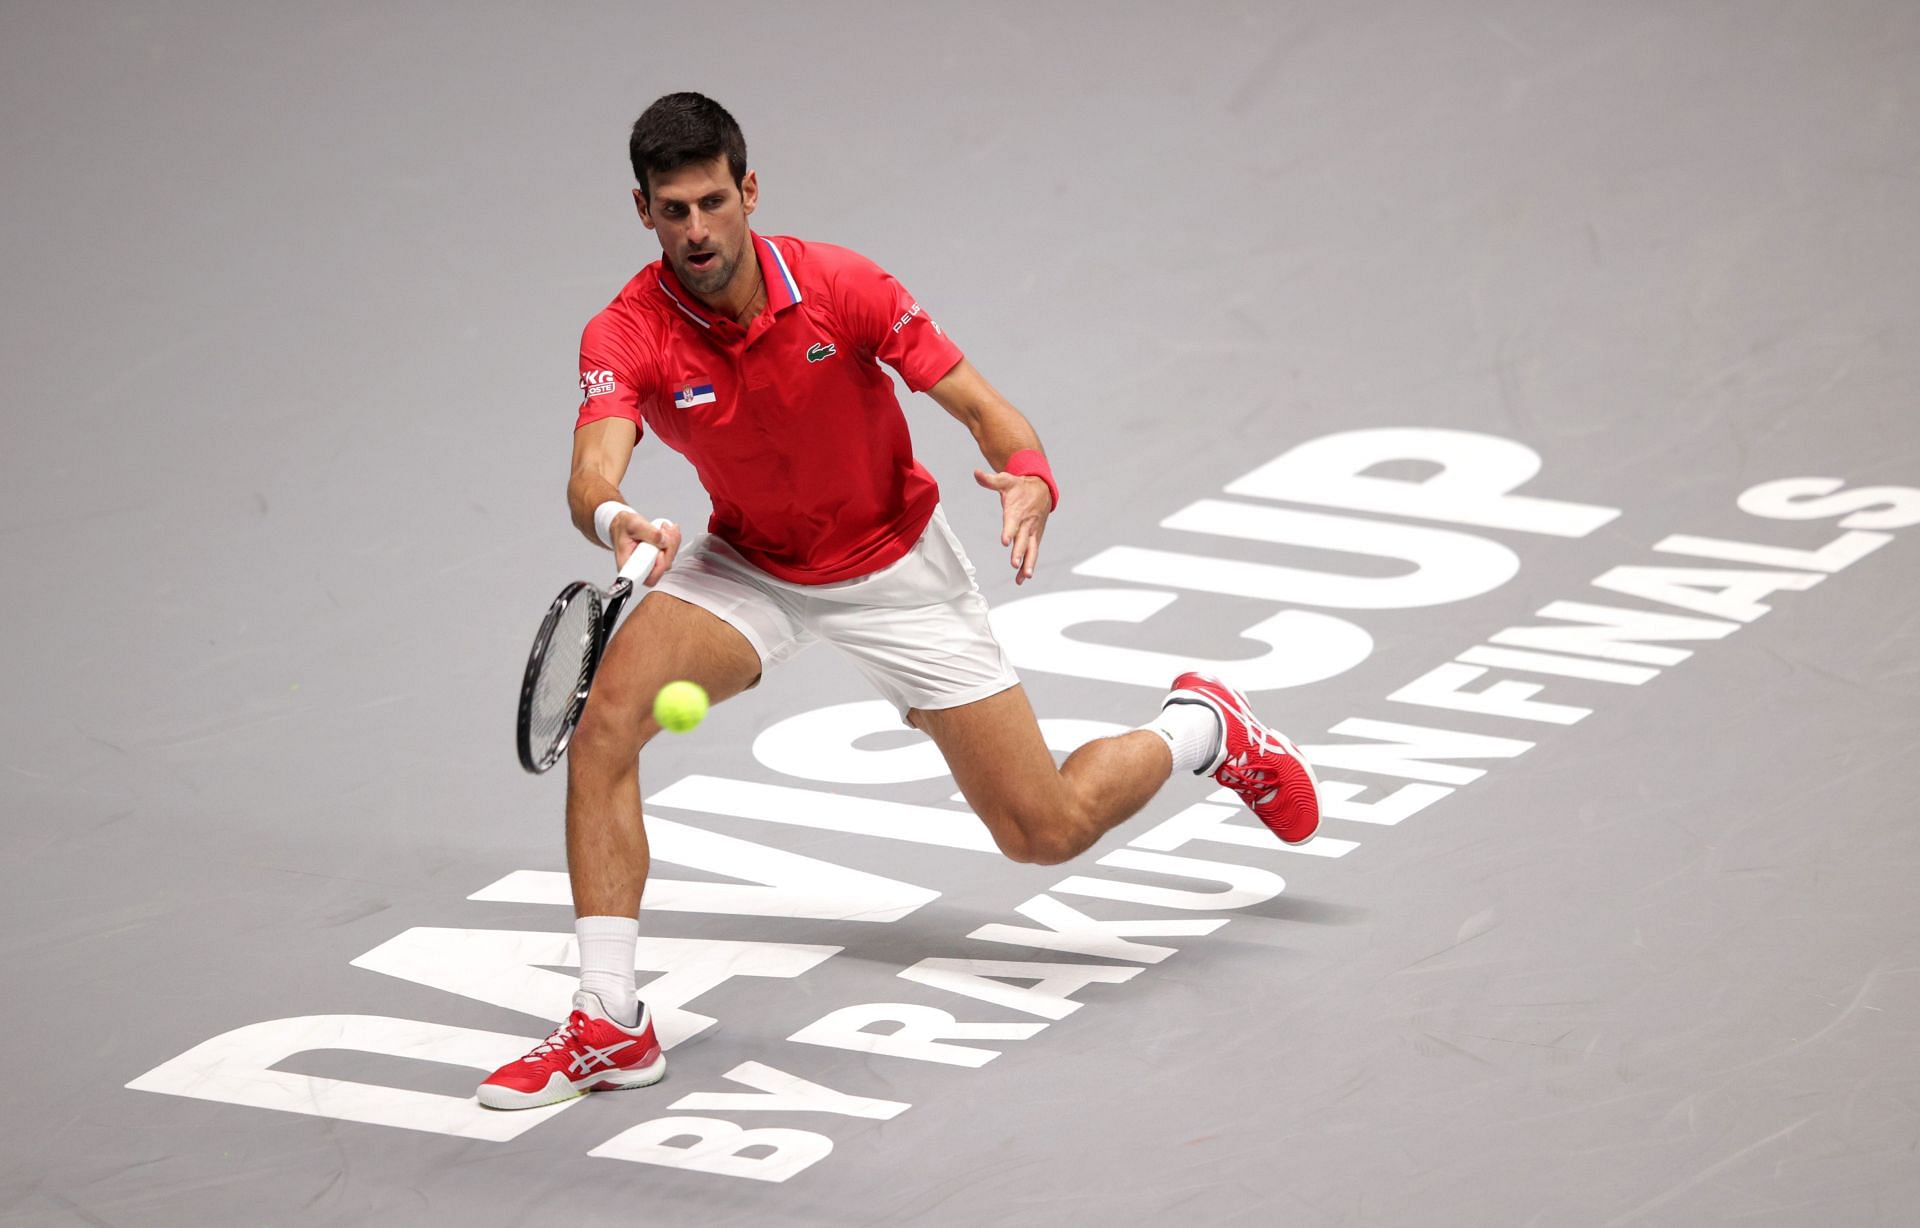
(290,321)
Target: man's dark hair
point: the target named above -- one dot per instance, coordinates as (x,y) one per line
(680,129)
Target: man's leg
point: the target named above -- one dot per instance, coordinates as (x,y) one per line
(1038,812)
(608,1041)
(921,631)
(664,639)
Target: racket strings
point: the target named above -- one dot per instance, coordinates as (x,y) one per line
(563,673)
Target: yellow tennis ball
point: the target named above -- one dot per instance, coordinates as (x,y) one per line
(680,705)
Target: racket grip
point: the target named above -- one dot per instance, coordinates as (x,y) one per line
(640,562)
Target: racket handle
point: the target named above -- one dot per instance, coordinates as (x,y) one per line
(640,562)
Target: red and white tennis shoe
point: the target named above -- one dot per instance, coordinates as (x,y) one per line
(1268,772)
(587,1053)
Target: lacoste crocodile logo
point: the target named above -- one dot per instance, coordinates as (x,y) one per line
(820,350)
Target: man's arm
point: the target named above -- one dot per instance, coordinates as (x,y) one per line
(601,451)
(1000,430)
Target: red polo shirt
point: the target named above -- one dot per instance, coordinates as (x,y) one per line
(790,423)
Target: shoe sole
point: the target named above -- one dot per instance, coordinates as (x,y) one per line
(1244,711)
(493,1096)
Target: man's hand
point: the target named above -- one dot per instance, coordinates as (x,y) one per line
(629,529)
(1000,430)
(1025,503)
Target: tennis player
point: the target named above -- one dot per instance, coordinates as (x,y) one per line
(757,358)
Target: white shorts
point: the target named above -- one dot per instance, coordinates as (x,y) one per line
(916,628)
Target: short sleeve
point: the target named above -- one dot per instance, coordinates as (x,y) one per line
(889,324)
(613,374)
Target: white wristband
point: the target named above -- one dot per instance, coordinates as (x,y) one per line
(603,517)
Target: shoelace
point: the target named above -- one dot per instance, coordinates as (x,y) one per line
(1246,779)
(556,1042)
(1238,773)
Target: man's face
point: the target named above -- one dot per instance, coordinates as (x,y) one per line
(701,218)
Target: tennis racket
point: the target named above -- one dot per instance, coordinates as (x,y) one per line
(566,652)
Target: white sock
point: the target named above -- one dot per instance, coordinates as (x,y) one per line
(607,946)
(1192,732)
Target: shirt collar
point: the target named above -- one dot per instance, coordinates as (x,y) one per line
(783,290)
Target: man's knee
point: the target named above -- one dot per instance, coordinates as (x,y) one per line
(1050,848)
(1035,836)
(614,727)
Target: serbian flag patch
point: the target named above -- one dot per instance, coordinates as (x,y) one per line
(690,395)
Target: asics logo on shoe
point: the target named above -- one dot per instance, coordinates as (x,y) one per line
(589,1058)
